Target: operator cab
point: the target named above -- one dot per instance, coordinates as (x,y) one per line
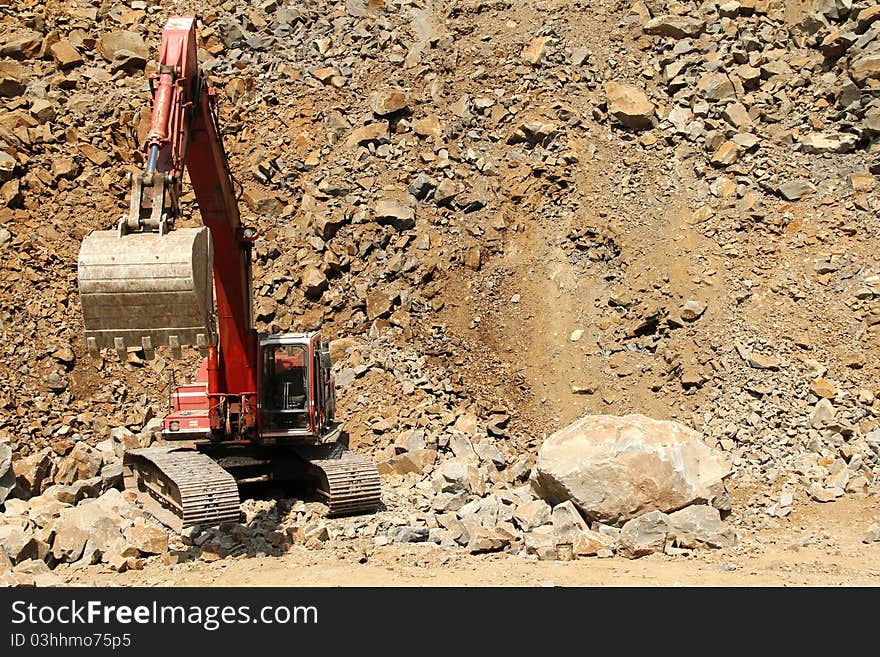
(296,394)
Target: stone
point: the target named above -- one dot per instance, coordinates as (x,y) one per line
(644,535)
(20,545)
(532,514)
(725,155)
(629,106)
(873,533)
(21,44)
(700,526)
(535,51)
(738,116)
(7,474)
(823,388)
(823,412)
(457,477)
(820,142)
(92,529)
(541,542)
(676,27)
(716,87)
(372,132)
(761,362)
(379,303)
(32,471)
(570,528)
(409,534)
(865,67)
(83,462)
(487,451)
(692,310)
(388,101)
(65,55)
(313,282)
(463,448)
(401,215)
(146,539)
(820,493)
(43,110)
(112,45)
(615,468)
(429,126)
(446,192)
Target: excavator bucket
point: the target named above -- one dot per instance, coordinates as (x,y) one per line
(147,290)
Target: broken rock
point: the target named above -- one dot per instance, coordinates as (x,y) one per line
(630,106)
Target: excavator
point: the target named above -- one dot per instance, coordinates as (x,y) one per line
(261,407)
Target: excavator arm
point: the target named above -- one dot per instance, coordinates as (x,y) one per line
(147,284)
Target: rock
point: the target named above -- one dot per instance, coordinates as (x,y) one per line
(7,474)
(629,106)
(416,461)
(32,471)
(463,448)
(716,87)
(532,132)
(823,388)
(379,303)
(541,541)
(42,110)
(388,101)
(83,462)
(92,529)
(429,126)
(823,412)
(20,545)
(422,186)
(372,132)
(676,27)
(727,154)
(738,116)
(820,493)
(399,214)
(22,44)
(313,282)
(692,310)
(570,528)
(65,55)
(700,526)
(488,452)
(409,534)
(535,51)
(147,540)
(820,142)
(532,514)
(762,362)
(446,192)
(457,477)
(873,534)
(616,468)
(794,190)
(122,44)
(865,67)
(644,535)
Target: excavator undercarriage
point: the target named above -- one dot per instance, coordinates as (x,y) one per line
(185,487)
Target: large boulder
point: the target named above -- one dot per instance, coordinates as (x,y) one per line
(615,468)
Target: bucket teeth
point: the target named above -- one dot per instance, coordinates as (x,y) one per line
(147,290)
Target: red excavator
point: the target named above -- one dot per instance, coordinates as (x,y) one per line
(261,406)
